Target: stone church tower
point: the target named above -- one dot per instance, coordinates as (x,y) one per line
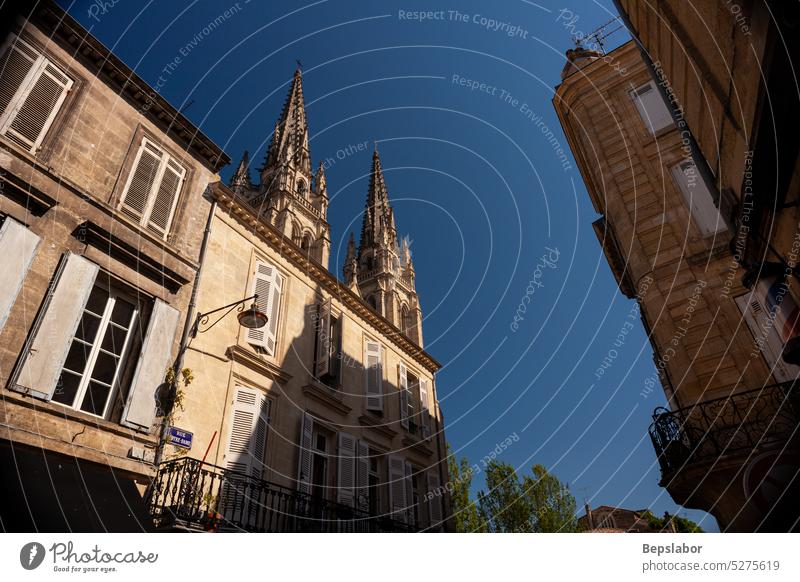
(291,197)
(382,270)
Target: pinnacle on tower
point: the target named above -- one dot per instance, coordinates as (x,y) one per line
(240,180)
(290,138)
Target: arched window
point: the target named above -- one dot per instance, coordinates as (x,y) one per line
(373,302)
(306,243)
(301,188)
(405,319)
(296,235)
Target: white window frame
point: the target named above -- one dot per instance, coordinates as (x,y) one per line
(697,197)
(659,111)
(38,68)
(164,160)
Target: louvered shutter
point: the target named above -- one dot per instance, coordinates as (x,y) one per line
(15,69)
(305,455)
(345,492)
(59,317)
(166,197)
(653,110)
(324,340)
(39,107)
(274,313)
(424,413)
(767,336)
(154,360)
(362,476)
(146,167)
(434,499)
(260,432)
(698,198)
(373,376)
(241,434)
(409,489)
(397,487)
(18,246)
(268,284)
(402,382)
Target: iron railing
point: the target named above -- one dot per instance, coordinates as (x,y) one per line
(726,426)
(187,493)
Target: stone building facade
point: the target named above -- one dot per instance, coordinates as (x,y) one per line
(667,238)
(102,208)
(330,409)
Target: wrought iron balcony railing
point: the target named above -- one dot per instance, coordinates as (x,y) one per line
(725,426)
(190,494)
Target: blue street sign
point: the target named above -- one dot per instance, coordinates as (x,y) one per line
(180,438)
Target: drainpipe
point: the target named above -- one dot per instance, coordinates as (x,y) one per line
(187,328)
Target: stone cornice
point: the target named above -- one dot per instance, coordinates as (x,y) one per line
(247,358)
(327,397)
(377,426)
(246,215)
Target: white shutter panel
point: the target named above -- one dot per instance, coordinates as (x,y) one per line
(154,360)
(767,336)
(40,106)
(18,246)
(323,363)
(402,382)
(373,376)
(652,109)
(409,487)
(166,197)
(424,413)
(306,454)
(434,499)
(274,313)
(59,318)
(362,477)
(260,432)
(698,198)
(345,492)
(268,284)
(140,181)
(241,432)
(16,69)
(397,487)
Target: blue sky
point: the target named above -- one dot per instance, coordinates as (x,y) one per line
(459,104)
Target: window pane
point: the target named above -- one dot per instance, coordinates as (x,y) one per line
(67,388)
(77,357)
(115,339)
(122,312)
(104,368)
(95,399)
(87,328)
(97,301)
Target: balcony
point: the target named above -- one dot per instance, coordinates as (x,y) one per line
(190,495)
(738,423)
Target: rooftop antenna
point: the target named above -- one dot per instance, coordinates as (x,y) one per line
(600,34)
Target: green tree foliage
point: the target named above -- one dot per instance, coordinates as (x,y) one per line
(537,503)
(682,524)
(465,511)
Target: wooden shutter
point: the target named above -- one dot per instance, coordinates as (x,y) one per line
(305,455)
(424,413)
(397,487)
(165,197)
(16,69)
(268,284)
(373,376)
(56,323)
(324,340)
(434,499)
(402,382)
(409,487)
(652,109)
(698,198)
(145,171)
(261,433)
(18,246)
(362,476)
(39,107)
(769,341)
(247,437)
(346,489)
(154,360)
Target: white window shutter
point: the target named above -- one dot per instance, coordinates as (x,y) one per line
(434,499)
(165,197)
(698,198)
(305,454)
(247,435)
(770,342)
(373,376)
(397,487)
(47,349)
(17,68)
(154,360)
(18,246)
(323,363)
(345,492)
(141,179)
(409,487)
(362,476)
(261,433)
(268,284)
(424,413)
(653,110)
(402,382)
(274,312)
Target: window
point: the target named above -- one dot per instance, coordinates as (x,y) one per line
(96,356)
(767,337)
(151,193)
(32,90)
(247,438)
(654,112)
(373,376)
(373,502)
(327,363)
(301,188)
(414,405)
(268,284)
(698,198)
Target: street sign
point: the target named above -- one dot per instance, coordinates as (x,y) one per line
(180,438)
